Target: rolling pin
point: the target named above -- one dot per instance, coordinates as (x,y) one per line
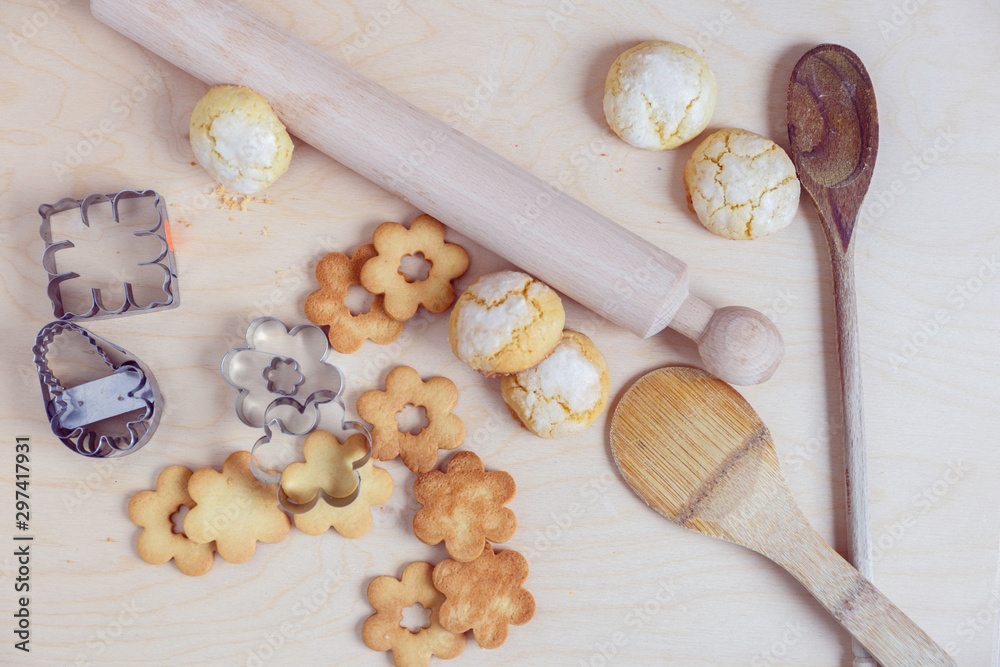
(444,173)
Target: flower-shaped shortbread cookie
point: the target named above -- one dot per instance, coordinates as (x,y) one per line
(382,274)
(152,511)
(325,307)
(329,466)
(382,630)
(464,507)
(485,595)
(403,387)
(235,509)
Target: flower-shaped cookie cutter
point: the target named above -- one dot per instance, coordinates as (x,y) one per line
(75,412)
(164,259)
(266,401)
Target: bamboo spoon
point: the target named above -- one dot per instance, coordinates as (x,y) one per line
(697,453)
(833,131)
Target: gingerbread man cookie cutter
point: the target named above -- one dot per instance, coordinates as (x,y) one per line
(282,375)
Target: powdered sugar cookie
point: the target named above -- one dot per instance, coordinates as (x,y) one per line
(741,185)
(505,322)
(238,139)
(659,95)
(563,394)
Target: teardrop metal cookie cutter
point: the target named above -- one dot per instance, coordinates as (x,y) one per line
(164,260)
(130,388)
(252,371)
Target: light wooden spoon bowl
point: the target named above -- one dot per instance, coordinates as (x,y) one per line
(697,453)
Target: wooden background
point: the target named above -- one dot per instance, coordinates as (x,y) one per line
(85,110)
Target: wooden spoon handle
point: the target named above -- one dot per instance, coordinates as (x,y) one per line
(578,251)
(863,610)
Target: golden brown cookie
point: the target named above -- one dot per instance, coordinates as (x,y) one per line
(152,511)
(382,630)
(335,273)
(485,595)
(403,387)
(382,274)
(563,394)
(234,509)
(505,322)
(464,507)
(328,466)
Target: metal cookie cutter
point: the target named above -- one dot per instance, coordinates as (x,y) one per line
(282,376)
(164,260)
(73,412)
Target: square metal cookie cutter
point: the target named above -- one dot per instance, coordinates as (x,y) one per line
(282,375)
(97,309)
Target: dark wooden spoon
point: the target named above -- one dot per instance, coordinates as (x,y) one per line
(833,131)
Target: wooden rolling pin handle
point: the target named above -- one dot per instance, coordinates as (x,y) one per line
(444,173)
(739,345)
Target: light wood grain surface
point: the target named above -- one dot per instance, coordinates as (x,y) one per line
(85,110)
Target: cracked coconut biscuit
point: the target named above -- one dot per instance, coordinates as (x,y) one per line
(505,322)
(153,512)
(741,185)
(238,139)
(464,507)
(659,95)
(563,394)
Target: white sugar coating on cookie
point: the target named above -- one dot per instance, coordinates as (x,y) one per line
(564,393)
(659,95)
(741,185)
(505,322)
(238,139)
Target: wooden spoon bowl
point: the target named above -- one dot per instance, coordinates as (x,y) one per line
(690,446)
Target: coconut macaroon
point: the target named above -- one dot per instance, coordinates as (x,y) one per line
(563,394)
(505,322)
(659,95)
(238,139)
(741,185)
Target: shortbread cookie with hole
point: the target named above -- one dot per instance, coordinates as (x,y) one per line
(238,139)
(563,394)
(485,595)
(741,185)
(659,95)
(505,322)
(403,387)
(383,273)
(464,507)
(329,465)
(336,274)
(153,512)
(234,509)
(383,630)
